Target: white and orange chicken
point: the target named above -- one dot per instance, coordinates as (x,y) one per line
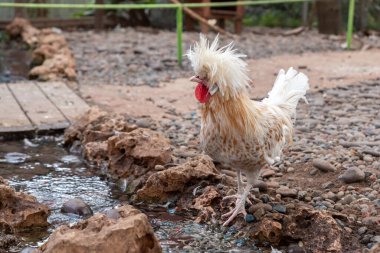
(235,130)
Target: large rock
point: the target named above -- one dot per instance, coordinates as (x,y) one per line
(20,211)
(136,152)
(52,58)
(129,231)
(318,230)
(96,125)
(22,27)
(164,185)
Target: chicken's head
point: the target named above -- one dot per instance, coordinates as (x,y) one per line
(218,71)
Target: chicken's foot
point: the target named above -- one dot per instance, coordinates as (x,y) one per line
(240,206)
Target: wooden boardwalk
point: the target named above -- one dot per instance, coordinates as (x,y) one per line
(27,107)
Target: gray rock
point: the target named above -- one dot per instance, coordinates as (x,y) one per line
(286,192)
(323,165)
(352,175)
(362,230)
(76,206)
(347,199)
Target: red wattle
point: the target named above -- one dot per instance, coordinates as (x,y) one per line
(201,93)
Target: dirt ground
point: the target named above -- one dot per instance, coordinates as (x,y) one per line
(325,70)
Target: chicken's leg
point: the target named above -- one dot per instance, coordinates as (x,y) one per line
(239,190)
(240,205)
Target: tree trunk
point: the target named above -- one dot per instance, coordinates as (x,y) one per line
(329,16)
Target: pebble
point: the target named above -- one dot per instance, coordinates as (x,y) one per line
(347,199)
(265,207)
(372,220)
(263,187)
(290,170)
(323,165)
(265,198)
(76,206)
(267,173)
(313,171)
(279,208)
(302,195)
(250,218)
(352,175)
(286,192)
(294,248)
(362,230)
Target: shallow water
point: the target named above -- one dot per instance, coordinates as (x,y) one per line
(15,60)
(46,170)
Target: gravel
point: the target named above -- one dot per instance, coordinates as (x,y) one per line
(144,56)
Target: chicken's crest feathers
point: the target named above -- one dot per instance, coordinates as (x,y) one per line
(222,66)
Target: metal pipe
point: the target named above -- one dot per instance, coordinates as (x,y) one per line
(179,34)
(350,23)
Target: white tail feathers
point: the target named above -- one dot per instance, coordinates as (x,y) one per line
(288,89)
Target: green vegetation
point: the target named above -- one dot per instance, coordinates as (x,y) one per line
(281,15)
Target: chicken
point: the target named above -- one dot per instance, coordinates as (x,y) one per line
(235,130)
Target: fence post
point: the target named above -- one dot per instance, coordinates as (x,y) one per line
(99,13)
(179,34)
(19,12)
(350,23)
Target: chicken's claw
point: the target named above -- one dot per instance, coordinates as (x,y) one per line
(239,209)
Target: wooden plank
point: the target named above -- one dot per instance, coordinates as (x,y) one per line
(42,113)
(12,118)
(65,99)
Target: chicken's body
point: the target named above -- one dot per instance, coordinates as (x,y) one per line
(237,131)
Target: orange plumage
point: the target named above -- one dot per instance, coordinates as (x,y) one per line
(237,131)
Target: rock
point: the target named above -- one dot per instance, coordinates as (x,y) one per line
(294,248)
(316,229)
(375,248)
(372,220)
(362,230)
(255,207)
(249,218)
(100,234)
(7,241)
(301,195)
(269,231)
(137,152)
(22,27)
(323,165)
(96,126)
(96,152)
(347,199)
(163,185)
(20,211)
(261,185)
(279,208)
(286,192)
(290,170)
(267,173)
(209,194)
(76,206)
(352,175)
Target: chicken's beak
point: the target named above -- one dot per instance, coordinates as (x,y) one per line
(196,79)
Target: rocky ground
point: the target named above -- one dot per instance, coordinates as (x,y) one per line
(146,56)
(323,195)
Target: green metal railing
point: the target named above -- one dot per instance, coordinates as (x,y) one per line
(179,12)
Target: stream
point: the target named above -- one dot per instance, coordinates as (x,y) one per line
(43,168)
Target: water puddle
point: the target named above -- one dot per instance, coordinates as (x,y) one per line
(43,168)
(15,59)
